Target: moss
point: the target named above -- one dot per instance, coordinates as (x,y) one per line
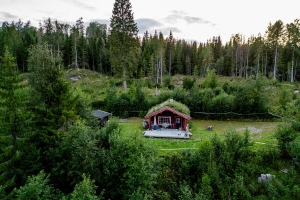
(173,104)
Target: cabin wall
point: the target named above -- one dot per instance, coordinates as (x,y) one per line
(173,118)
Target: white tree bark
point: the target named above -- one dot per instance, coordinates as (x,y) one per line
(275,63)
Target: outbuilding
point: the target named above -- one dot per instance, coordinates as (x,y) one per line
(102,116)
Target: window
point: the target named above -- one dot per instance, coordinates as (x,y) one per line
(164,120)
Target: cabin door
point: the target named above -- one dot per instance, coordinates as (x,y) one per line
(177,123)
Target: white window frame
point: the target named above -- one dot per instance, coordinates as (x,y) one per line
(164,120)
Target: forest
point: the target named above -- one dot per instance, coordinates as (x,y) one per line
(274,53)
(52,147)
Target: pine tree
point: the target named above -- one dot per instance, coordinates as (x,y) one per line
(96,37)
(82,49)
(12,122)
(274,37)
(124,43)
(170,51)
(293,39)
(178,68)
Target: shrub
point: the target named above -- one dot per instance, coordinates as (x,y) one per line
(188,83)
(284,98)
(211,80)
(284,135)
(168,82)
(222,103)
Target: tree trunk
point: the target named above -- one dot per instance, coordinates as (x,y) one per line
(75,48)
(266,64)
(236,64)
(93,60)
(257,68)
(51,53)
(124,76)
(241,63)
(295,69)
(292,71)
(275,63)
(170,60)
(157,69)
(58,55)
(161,68)
(247,63)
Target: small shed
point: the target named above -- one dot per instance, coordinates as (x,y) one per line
(102,116)
(169,115)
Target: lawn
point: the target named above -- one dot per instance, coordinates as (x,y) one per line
(261,133)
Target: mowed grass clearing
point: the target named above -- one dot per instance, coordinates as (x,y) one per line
(261,133)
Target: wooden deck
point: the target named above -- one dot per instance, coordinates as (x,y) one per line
(167,133)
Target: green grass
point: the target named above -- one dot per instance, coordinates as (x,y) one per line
(261,133)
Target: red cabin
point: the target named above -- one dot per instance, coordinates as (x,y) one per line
(164,116)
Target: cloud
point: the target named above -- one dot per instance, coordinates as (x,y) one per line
(100,21)
(166,31)
(8,16)
(179,15)
(83,5)
(146,24)
(10,1)
(175,16)
(198,20)
(104,21)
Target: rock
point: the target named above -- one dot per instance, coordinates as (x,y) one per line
(265,177)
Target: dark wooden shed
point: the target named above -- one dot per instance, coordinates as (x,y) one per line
(102,116)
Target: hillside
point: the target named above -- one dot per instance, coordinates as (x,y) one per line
(95,85)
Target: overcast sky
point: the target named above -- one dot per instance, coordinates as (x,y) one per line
(187,19)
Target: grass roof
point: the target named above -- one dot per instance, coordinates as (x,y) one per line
(173,104)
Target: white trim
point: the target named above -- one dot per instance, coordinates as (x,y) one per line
(164,117)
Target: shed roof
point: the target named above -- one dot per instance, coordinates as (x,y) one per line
(167,108)
(101,114)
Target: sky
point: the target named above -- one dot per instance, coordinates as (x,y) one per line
(192,20)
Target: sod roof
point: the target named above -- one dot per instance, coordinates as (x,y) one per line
(172,106)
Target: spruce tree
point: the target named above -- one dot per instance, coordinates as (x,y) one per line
(124,42)
(12,119)
(170,51)
(51,99)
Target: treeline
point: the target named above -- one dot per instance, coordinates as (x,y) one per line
(273,54)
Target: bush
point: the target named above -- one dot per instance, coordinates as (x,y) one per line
(222,103)
(284,98)
(168,82)
(211,80)
(37,187)
(284,135)
(188,83)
